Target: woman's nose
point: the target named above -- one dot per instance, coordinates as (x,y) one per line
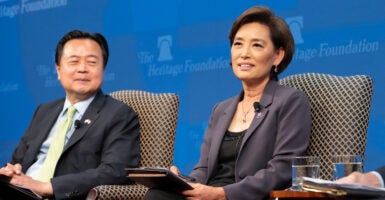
(245,52)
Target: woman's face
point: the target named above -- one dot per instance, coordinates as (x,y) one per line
(253,53)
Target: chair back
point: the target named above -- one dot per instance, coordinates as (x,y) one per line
(340,107)
(158,115)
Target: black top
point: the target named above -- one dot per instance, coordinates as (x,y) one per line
(227,156)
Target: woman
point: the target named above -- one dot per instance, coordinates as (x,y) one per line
(246,146)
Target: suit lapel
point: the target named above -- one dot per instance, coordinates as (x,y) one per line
(266,101)
(224,120)
(50,120)
(47,122)
(88,119)
(225,117)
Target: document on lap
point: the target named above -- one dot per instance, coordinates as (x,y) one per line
(161,178)
(12,188)
(341,189)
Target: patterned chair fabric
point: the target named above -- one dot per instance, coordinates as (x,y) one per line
(158,113)
(340,107)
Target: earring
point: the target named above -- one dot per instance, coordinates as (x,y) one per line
(275,68)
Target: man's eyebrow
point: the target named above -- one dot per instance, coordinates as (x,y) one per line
(72,56)
(92,56)
(88,56)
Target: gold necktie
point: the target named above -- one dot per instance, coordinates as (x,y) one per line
(56,147)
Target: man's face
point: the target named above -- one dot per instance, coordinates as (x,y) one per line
(81,69)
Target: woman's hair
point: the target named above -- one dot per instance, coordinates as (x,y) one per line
(279,31)
(77,34)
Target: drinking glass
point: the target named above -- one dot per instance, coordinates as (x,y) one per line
(308,166)
(344,165)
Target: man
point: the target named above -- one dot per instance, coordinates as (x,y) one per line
(103,135)
(374,178)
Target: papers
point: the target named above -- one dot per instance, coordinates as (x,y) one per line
(161,178)
(341,189)
(11,188)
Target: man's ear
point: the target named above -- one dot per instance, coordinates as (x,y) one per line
(57,71)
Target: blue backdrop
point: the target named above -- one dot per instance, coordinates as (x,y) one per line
(182,47)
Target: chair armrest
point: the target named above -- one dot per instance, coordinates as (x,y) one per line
(105,192)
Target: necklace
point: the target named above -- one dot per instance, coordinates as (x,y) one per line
(245,113)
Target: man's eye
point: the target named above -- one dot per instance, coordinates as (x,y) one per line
(73,62)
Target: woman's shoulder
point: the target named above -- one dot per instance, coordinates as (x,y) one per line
(289,91)
(226,103)
(231,100)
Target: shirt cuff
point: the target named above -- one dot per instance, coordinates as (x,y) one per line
(379,177)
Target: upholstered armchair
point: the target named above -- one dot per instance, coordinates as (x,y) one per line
(158,113)
(340,107)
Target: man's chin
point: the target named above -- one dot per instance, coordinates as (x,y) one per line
(82,94)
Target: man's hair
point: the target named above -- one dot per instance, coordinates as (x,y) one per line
(77,34)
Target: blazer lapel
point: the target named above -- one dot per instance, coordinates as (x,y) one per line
(224,119)
(88,119)
(227,115)
(266,101)
(48,121)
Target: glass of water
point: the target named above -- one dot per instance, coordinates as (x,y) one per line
(308,166)
(344,165)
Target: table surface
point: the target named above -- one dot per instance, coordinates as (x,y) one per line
(292,195)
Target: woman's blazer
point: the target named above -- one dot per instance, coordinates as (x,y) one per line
(281,129)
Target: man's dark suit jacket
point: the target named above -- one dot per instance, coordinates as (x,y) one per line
(279,130)
(96,153)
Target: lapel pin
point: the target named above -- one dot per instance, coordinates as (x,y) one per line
(259,114)
(87,121)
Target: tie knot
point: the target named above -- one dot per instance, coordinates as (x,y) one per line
(71,111)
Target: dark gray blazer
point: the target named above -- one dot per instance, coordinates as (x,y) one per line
(280,130)
(96,153)
(381,170)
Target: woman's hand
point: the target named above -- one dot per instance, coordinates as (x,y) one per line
(174,170)
(204,192)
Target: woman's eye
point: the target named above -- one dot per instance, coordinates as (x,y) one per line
(237,44)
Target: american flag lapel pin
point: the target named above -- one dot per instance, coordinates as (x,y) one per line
(87,121)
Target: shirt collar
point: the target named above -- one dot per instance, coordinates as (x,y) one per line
(80,106)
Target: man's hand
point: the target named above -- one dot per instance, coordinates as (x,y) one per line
(17,177)
(41,188)
(369,179)
(11,170)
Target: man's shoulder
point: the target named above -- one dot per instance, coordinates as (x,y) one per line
(52,104)
(114,102)
(114,105)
